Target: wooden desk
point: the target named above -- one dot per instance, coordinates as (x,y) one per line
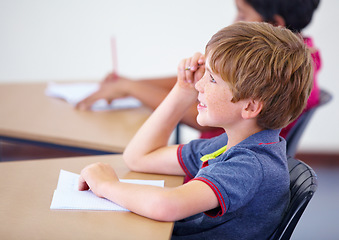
(27,113)
(26,190)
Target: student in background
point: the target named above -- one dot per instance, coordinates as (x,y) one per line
(239,187)
(294,14)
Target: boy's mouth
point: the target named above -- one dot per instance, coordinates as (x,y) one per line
(201,105)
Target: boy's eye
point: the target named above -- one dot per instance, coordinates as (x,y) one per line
(212,79)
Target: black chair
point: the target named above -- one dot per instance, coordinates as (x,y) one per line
(303,184)
(297,130)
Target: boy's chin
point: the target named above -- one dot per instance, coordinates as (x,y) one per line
(201,122)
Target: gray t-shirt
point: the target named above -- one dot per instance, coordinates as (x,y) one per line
(250,180)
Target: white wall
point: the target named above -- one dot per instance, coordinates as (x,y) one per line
(44,40)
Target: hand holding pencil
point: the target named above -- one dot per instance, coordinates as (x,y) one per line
(110,88)
(191,70)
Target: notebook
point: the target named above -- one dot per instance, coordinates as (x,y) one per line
(67,195)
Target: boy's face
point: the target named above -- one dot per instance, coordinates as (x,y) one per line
(215,107)
(246,12)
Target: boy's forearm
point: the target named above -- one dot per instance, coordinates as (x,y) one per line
(144,200)
(155,132)
(150,95)
(162,204)
(164,119)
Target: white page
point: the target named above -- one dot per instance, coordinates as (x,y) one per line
(67,195)
(75,92)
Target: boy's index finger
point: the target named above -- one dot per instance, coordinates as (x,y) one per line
(195,62)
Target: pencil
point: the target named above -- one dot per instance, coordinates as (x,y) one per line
(114,58)
(189,68)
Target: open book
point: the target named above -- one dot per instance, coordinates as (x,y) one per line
(67,195)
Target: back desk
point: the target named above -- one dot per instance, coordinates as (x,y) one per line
(26,113)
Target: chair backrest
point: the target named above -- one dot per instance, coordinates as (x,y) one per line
(303,184)
(297,130)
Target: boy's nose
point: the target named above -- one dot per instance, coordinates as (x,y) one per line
(199,86)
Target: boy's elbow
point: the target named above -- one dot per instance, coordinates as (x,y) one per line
(163,216)
(133,162)
(129,160)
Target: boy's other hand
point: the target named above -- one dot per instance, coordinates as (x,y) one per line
(96,177)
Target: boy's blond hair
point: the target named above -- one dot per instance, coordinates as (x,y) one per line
(265,63)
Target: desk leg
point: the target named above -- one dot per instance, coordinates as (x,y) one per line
(1,151)
(177,134)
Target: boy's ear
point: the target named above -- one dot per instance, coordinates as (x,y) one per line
(251,109)
(278,21)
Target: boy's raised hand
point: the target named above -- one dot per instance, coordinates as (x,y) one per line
(191,70)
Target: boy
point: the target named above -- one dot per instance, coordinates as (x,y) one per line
(256,79)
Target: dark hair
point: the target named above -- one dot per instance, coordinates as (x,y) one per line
(296,13)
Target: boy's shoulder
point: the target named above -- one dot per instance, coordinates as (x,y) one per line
(262,146)
(264,139)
